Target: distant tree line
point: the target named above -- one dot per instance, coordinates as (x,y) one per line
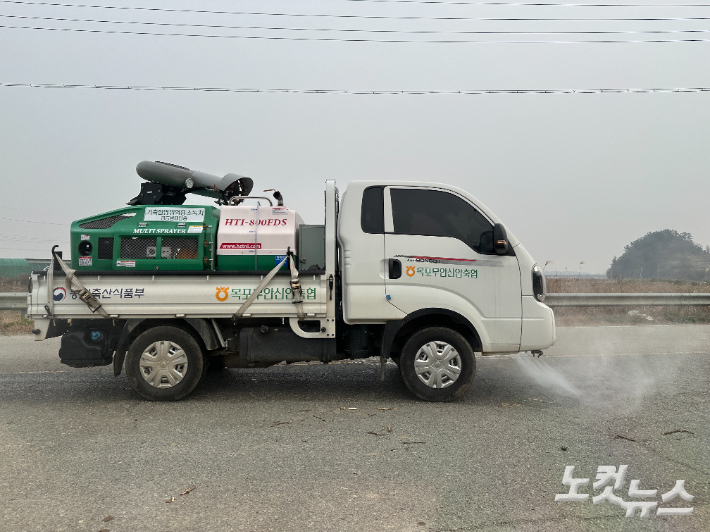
(665,254)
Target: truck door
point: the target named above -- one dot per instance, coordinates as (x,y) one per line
(362,244)
(439,254)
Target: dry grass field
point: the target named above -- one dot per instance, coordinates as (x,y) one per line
(13,285)
(12,321)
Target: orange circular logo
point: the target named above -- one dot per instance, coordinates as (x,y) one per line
(410,270)
(222,293)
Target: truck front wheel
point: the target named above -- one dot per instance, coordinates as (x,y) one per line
(164,363)
(437,364)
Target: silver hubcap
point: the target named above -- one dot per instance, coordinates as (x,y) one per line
(163,364)
(437,364)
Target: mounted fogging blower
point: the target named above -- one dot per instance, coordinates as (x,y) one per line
(168,184)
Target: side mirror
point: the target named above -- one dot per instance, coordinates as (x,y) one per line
(486,242)
(500,239)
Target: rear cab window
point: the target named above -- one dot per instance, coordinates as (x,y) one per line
(372,219)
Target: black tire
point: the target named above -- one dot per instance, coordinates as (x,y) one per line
(165,342)
(453,374)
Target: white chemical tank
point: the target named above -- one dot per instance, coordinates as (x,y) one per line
(255,237)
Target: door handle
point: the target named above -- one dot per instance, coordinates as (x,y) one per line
(395,269)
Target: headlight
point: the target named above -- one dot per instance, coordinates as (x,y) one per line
(538,283)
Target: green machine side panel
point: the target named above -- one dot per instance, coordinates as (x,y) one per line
(146,237)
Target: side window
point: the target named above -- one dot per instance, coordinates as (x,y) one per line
(372,218)
(437,213)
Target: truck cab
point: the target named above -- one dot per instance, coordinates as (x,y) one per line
(431,253)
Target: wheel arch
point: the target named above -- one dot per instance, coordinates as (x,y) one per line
(200,328)
(396,332)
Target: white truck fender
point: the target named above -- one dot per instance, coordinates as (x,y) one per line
(201,326)
(440,317)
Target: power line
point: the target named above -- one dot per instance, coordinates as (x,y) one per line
(356,92)
(26,211)
(357,30)
(47,249)
(548,4)
(26,249)
(362,17)
(511,4)
(30,240)
(353,40)
(32,221)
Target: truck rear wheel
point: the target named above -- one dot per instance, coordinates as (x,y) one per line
(437,364)
(164,363)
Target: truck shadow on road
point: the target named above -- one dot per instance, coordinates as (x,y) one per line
(355,382)
(495,385)
(343,382)
(346,382)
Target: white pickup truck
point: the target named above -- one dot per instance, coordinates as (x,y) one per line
(421,273)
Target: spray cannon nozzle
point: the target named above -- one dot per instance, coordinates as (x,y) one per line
(536,353)
(168,183)
(277,196)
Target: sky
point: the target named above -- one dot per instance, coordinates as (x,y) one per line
(575,177)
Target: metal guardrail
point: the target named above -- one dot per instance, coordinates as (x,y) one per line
(625,300)
(13,301)
(18,300)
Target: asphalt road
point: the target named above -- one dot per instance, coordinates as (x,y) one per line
(316,447)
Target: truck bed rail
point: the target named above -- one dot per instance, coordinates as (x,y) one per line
(18,300)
